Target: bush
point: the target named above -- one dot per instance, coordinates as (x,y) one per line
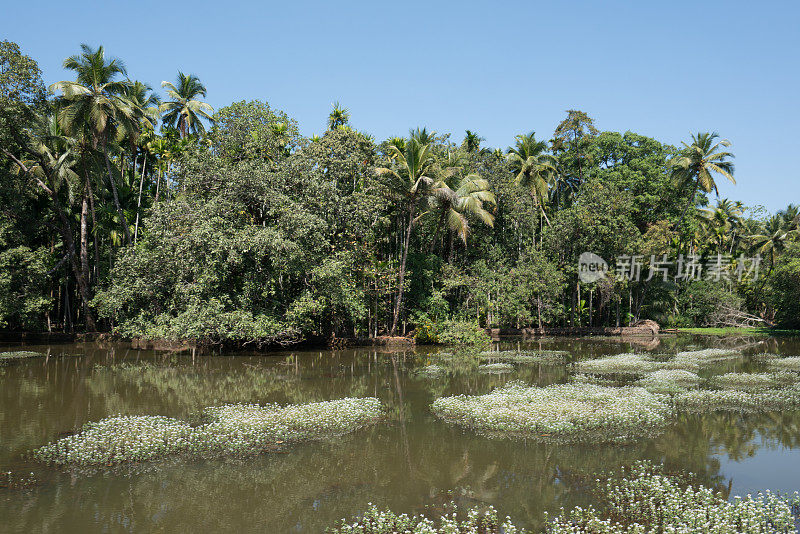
(450,332)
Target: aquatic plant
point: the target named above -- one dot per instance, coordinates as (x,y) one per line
(496,368)
(790,363)
(736,400)
(627,363)
(669,381)
(430,371)
(701,358)
(7,358)
(121,439)
(648,501)
(753,381)
(231,429)
(527,356)
(564,412)
(375,521)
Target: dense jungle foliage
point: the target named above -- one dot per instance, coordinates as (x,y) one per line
(167,219)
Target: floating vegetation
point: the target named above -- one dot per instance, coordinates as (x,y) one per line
(640,364)
(648,501)
(496,368)
(7,358)
(564,412)
(430,371)
(790,363)
(375,521)
(669,381)
(231,429)
(627,363)
(527,356)
(703,357)
(753,381)
(738,401)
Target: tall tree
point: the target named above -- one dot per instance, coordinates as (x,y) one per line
(698,162)
(96,102)
(339,116)
(412,178)
(185,111)
(533,167)
(472,141)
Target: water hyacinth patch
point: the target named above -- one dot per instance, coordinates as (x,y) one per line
(120,439)
(738,401)
(627,363)
(430,371)
(527,356)
(231,429)
(496,368)
(669,381)
(565,412)
(753,381)
(790,363)
(648,501)
(375,521)
(7,358)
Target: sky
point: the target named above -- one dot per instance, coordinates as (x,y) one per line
(661,69)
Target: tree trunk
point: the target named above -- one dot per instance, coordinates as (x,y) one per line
(123,220)
(406,244)
(84,251)
(139,202)
(690,203)
(436,233)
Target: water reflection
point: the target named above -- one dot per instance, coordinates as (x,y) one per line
(415,461)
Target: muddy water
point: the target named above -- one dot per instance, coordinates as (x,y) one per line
(413,462)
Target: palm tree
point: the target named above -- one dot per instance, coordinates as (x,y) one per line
(773,238)
(722,222)
(96,102)
(698,161)
(534,168)
(453,204)
(411,174)
(472,141)
(142,97)
(185,111)
(339,116)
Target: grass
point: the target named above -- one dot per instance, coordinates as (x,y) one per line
(565,412)
(645,500)
(7,358)
(234,429)
(375,521)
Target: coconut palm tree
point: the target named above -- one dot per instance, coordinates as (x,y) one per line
(533,167)
(472,141)
(142,97)
(412,177)
(697,164)
(773,238)
(467,196)
(339,116)
(185,112)
(96,102)
(722,222)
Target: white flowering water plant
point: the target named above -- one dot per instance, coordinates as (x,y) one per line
(526,356)
(474,521)
(235,429)
(646,500)
(564,412)
(7,358)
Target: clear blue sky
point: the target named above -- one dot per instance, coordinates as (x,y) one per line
(663,69)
